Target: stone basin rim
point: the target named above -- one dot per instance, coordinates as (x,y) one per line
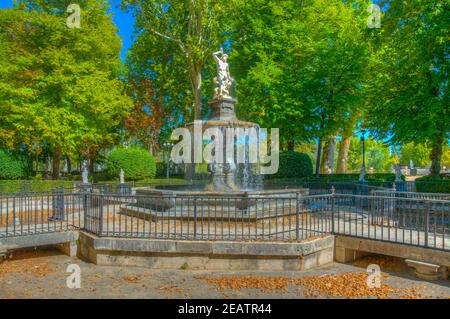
(159,192)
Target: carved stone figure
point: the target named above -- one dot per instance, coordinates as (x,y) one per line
(223,79)
(84,173)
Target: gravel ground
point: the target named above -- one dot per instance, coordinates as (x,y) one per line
(43,275)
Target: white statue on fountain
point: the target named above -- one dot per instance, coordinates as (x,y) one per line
(223,79)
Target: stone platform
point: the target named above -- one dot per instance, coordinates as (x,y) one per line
(207,255)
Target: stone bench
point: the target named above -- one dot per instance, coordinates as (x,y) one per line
(427,271)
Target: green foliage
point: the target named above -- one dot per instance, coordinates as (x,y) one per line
(433,185)
(137,163)
(379,177)
(12,166)
(306,67)
(419,154)
(293,165)
(298,62)
(173,47)
(59,87)
(32,186)
(161,171)
(378,156)
(407,87)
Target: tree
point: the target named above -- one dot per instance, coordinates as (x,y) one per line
(346,133)
(177,39)
(378,156)
(299,66)
(59,86)
(146,120)
(417,153)
(329,148)
(408,90)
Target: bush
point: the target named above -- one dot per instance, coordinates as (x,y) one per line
(12,186)
(379,177)
(137,163)
(11,166)
(429,184)
(293,165)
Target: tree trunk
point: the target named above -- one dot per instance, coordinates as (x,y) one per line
(331,150)
(47,165)
(56,163)
(196,81)
(319,151)
(438,139)
(344,147)
(436,154)
(37,164)
(91,167)
(290,145)
(325,157)
(69,165)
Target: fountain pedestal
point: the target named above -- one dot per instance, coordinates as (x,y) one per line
(223,108)
(221,175)
(221,178)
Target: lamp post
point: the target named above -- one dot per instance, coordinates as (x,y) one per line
(362,175)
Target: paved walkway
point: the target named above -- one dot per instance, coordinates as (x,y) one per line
(44,276)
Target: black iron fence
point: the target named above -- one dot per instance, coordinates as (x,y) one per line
(315,187)
(384,215)
(210,218)
(405,220)
(36,214)
(415,195)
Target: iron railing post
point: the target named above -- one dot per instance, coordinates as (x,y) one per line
(333,196)
(100,215)
(427,220)
(195,218)
(63,205)
(85,212)
(297,217)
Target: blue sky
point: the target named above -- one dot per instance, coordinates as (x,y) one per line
(123,20)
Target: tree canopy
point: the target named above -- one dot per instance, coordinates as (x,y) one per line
(59,86)
(315,69)
(408,83)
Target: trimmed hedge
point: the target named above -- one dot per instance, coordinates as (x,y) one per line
(136,162)
(294,165)
(379,177)
(9,186)
(429,184)
(11,166)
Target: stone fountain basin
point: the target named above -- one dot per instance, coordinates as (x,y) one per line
(169,197)
(176,203)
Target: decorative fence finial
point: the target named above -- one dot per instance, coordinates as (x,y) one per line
(333,190)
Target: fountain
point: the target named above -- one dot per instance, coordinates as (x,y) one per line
(227,178)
